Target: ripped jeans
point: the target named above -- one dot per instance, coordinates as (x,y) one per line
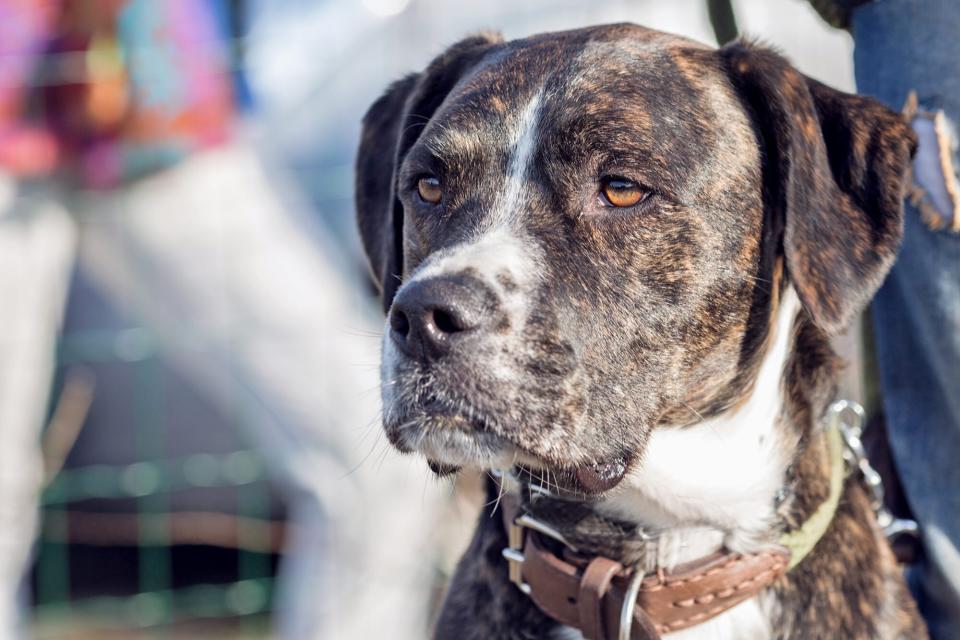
(904,46)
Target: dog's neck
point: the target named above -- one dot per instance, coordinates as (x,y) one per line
(715,484)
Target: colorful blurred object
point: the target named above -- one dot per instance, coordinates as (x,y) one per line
(109,90)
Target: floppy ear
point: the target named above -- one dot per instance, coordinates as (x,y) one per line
(390,128)
(834,171)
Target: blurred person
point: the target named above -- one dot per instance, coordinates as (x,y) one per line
(907,48)
(125,155)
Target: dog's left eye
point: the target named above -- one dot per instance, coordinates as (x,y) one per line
(429,189)
(621,192)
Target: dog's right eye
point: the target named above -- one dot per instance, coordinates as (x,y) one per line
(621,192)
(429,189)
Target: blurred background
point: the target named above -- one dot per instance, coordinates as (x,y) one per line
(188,341)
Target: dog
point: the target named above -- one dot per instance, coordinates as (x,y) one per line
(611,260)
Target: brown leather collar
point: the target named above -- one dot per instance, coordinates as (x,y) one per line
(588,592)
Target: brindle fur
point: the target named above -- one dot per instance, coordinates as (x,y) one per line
(655,317)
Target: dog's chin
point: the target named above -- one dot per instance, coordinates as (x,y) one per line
(450,442)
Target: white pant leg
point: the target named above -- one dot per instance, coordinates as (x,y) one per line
(37,242)
(251,311)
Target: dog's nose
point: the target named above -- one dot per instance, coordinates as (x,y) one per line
(429,317)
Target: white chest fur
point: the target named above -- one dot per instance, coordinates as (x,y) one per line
(714,484)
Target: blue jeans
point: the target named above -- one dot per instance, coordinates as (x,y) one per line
(903,46)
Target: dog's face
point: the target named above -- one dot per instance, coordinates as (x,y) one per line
(578,235)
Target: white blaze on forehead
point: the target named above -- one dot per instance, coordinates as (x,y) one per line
(523,144)
(496,253)
(499,248)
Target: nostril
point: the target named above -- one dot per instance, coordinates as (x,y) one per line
(400,323)
(447,322)
(431,317)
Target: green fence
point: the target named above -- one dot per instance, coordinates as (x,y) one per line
(158,600)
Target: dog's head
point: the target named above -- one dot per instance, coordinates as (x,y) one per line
(581,236)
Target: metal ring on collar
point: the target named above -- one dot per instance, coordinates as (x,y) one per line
(629,604)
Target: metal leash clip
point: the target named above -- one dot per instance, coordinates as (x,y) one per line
(849,417)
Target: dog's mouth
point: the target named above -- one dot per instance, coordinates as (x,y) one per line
(452,434)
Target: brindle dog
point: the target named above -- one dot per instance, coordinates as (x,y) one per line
(613,257)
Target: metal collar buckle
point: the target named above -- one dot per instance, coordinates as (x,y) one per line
(514,556)
(516,538)
(516,533)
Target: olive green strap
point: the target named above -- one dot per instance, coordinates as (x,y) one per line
(801,541)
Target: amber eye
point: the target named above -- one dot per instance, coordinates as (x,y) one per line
(429,189)
(620,192)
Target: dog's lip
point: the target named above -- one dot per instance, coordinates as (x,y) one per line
(436,405)
(600,477)
(442,469)
(443,418)
(586,479)
(460,410)
(589,479)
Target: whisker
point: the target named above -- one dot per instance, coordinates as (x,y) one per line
(693,411)
(496,502)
